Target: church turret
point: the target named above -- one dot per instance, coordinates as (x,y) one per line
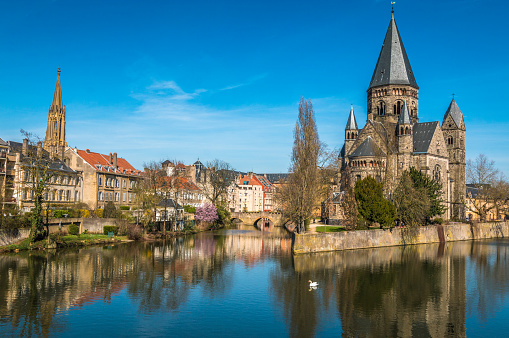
(55,142)
(453,127)
(351,131)
(392,81)
(404,131)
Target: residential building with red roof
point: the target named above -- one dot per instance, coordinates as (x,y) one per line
(182,189)
(247,194)
(105,177)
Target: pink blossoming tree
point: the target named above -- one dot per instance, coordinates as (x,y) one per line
(207,213)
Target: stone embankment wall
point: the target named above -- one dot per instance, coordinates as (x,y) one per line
(319,242)
(92,225)
(8,237)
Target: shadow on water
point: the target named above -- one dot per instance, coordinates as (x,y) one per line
(419,290)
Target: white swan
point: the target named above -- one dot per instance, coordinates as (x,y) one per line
(312,284)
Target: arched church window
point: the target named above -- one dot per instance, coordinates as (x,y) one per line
(406,131)
(437,173)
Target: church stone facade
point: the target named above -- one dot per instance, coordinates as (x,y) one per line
(393,140)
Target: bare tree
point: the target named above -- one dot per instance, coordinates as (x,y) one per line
(37,175)
(300,194)
(482,178)
(349,205)
(219,176)
(147,197)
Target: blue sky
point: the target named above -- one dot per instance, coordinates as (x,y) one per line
(155,80)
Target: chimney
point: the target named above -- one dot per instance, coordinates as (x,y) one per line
(115,160)
(110,159)
(24,150)
(39,149)
(87,151)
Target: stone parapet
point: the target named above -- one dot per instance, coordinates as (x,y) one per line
(348,240)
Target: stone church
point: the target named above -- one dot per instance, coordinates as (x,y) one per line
(394,140)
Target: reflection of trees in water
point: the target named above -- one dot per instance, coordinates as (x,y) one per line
(36,286)
(404,298)
(488,273)
(301,307)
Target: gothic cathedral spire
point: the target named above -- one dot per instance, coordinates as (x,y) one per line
(55,142)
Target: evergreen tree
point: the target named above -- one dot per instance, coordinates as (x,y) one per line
(373,207)
(432,188)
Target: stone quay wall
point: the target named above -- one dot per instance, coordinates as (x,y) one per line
(92,225)
(362,239)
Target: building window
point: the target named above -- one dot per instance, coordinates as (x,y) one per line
(436,173)
(100,181)
(123,196)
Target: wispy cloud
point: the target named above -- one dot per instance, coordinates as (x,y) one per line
(248,82)
(169,122)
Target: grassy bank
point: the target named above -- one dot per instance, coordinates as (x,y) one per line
(66,241)
(329,228)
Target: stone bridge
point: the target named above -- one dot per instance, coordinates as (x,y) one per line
(258,218)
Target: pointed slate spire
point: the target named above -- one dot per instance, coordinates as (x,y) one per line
(57,97)
(405,118)
(351,124)
(455,113)
(393,66)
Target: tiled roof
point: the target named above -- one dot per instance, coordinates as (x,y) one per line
(405,118)
(246,180)
(276,178)
(101,162)
(455,113)
(178,183)
(351,124)
(367,148)
(169,203)
(393,66)
(423,134)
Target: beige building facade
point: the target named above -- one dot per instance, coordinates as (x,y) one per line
(105,177)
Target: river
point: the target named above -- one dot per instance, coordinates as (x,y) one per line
(244,283)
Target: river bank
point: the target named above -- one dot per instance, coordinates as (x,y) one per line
(362,239)
(58,241)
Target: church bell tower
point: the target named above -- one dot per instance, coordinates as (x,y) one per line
(392,82)
(55,142)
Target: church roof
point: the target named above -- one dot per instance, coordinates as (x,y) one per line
(57,96)
(455,113)
(405,118)
(393,66)
(367,148)
(423,134)
(351,124)
(342,152)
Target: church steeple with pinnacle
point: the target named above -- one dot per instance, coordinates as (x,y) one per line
(351,130)
(55,142)
(392,81)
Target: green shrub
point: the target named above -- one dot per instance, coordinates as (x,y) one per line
(74,229)
(438,220)
(125,207)
(99,212)
(60,213)
(110,228)
(189,209)
(110,211)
